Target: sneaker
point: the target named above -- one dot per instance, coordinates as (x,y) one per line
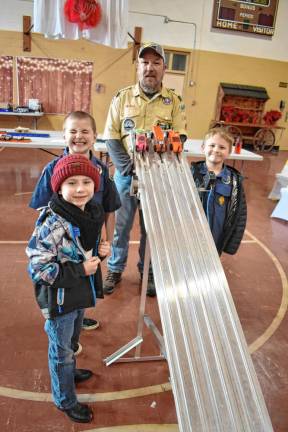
(90,324)
(112,279)
(151,290)
(77,349)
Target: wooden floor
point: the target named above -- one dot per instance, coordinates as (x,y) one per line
(133,396)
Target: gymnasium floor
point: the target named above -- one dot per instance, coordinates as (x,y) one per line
(133,396)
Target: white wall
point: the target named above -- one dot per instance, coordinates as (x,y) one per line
(177,34)
(200,12)
(11,13)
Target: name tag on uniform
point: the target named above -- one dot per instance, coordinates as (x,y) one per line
(131,111)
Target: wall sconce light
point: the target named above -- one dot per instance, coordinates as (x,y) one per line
(282,105)
(99,88)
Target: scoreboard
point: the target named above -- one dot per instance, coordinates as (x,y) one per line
(252,16)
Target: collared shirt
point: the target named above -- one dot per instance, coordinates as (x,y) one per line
(132,109)
(107,194)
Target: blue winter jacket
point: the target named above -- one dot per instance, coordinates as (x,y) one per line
(56,269)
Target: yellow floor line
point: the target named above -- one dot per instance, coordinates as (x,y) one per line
(22,193)
(3,242)
(144,391)
(284,301)
(138,428)
(95,397)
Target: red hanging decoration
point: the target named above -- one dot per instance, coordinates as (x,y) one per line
(85,13)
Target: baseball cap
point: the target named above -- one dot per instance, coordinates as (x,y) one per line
(158,49)
(73,165)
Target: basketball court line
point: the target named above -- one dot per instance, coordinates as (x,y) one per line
(144,391)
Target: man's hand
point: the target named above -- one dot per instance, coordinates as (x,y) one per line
(90,266)
(104,248)
(119,156)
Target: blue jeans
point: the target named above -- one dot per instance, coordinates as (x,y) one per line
(123,224)
(63,331)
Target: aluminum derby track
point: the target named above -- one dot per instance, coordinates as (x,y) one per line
(212,375)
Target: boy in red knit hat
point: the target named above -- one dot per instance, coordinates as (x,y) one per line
(80,135)
(64,265)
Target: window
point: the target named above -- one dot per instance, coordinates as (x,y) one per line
(179,62)
(176,62)
(167,57)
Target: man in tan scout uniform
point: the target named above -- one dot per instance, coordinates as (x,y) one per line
(140,106)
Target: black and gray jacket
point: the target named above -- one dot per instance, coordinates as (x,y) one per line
(236,214)
(56,267)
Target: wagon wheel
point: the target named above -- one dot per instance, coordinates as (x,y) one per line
(235,132)
(264,140)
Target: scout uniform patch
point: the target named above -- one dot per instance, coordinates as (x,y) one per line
(221,200)
(226,180)
(129,124)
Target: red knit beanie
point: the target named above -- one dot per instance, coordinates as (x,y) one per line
(73,165)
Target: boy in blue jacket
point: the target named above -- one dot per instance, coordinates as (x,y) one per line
(80,136)
(221,191)
(64,266)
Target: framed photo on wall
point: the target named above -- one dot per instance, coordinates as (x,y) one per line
(250,16)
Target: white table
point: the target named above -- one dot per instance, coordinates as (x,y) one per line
(55,141)
(192,148)
(34,115)
(280,182)
(281,209)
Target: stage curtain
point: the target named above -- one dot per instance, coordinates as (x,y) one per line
(61,85)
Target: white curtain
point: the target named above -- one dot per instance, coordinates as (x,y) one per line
(49,19)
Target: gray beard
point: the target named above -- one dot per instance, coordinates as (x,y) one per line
(148,90)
